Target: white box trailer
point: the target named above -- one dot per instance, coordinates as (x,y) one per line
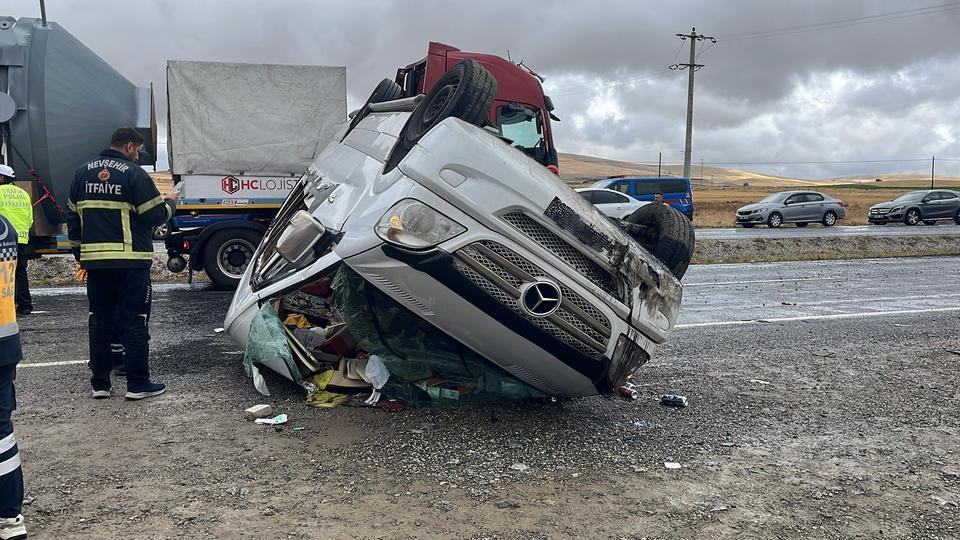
(239,136)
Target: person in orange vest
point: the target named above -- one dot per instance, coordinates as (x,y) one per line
(11,475)
(15,205)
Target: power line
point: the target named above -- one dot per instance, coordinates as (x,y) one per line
(843,23)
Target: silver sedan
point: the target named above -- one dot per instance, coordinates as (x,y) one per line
(800,207)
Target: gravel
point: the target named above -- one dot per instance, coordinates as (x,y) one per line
(860,442)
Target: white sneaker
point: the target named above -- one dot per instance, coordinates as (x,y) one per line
(97,394)
(13,528)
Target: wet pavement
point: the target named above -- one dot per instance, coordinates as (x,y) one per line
(822,404)
(736,294)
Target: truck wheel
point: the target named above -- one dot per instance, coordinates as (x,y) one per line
(665,233)
(466,91)
(227,254)
(386,90)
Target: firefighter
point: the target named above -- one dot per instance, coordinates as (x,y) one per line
(112,210)
(11,476)
(15,205)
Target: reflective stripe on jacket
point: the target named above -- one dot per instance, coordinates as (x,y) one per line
(10,352)
(112,210)
(15,205)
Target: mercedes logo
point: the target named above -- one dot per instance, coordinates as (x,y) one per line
(540,298)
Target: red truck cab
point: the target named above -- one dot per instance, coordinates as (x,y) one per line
(520,111)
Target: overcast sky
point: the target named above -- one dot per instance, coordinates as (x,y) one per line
(882,90)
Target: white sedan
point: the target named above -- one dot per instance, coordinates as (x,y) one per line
(612,203)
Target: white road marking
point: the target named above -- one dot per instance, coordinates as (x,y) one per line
(817,317)
(749,282)
(868,300)
(49,364)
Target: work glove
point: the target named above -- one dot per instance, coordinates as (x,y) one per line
(81,274)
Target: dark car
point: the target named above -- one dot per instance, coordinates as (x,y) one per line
(928,206)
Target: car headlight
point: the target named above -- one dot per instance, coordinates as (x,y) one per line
(411,223)
(895,208)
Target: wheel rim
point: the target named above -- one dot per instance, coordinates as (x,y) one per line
(234,256)
(830,219)
(439,103)
(776,220)
(913,217)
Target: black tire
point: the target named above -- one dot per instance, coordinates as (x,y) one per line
(829,219)
(222,254)
(929,222)
(666,234)
(774,220)
(747,225)
(386,90)
(466,91)
(912,217)
(802,224)
(956,218)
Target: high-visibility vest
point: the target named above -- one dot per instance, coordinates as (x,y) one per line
(10,351)
(15,205)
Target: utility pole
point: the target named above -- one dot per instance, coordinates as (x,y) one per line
(659,162)
(933,163)
(701,169)
(692,67)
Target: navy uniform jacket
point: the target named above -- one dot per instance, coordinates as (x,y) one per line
(112,210)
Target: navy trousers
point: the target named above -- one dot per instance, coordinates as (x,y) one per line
(120,301)
(11,475)
(22,288)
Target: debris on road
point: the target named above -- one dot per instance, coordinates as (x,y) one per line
(629,391)
(519,467)
(320,396)
(258,411)
(276,420)
(671,465)
(720,508)
(759,381)
(218,330)
(671,400)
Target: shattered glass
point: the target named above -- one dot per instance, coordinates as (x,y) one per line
(427,367)
(268,343)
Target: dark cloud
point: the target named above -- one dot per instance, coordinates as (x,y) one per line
(757,99)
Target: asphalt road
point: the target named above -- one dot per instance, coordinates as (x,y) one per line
(739,294)
(943,228)
(823,402)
